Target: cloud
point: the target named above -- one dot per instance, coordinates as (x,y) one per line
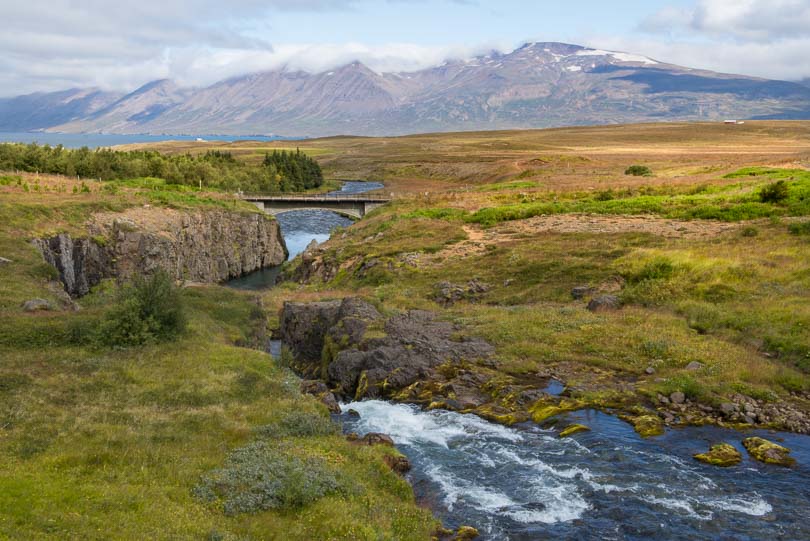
(766,38)
(56,44)
(746,20)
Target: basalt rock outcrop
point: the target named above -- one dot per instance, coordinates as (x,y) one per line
(198,246)
(411,356)
(360,353)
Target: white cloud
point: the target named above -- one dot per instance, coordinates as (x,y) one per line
(766,38)
(55,44)
(746,20)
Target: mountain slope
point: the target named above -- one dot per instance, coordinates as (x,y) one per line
(536,85)
(43,110)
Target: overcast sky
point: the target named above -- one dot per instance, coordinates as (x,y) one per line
(56,44)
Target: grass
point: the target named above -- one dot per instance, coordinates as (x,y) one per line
(730,202)
(723,300)
(109,443)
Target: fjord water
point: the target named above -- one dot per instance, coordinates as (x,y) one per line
(299,228)
(526,483)
(99,140)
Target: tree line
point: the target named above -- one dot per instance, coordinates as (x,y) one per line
(280,171)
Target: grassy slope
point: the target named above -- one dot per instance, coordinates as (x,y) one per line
(734,299)
(102,444)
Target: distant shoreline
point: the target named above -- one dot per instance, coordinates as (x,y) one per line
(100,140)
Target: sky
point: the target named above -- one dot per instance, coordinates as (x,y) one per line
(49,45)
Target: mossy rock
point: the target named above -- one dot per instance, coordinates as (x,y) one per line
(466,533)
(542,409)
(720,454)
(768,451)
(648,426)
(573,429)
(500,416)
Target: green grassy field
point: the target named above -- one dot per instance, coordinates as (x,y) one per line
(163,441)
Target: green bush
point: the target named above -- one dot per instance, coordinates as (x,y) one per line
(749,231)
(147,311)
(639,171)
(775,192)
(262,476)
(801,228)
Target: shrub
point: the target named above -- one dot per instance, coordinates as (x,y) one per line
(299,423)
(605,195)
(774,193)
(149,310)
(639,171)
(656,268)
(801,228)
(261,476)
(749,231)
(685,384)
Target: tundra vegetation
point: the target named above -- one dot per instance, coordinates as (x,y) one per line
(191,435)
(143,415)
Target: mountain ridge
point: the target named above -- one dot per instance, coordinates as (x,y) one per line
(540,84)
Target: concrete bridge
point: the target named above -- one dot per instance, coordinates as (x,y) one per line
(353,206)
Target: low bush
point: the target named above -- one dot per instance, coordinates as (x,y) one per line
(262,476)
(776,192)
(147,311)
(299,423)
(639,171)
(800,228)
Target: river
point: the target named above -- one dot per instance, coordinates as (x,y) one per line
(525,483)
(299,228)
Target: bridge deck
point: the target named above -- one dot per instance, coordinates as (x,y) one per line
(359,198)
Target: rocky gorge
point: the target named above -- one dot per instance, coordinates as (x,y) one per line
(206,246)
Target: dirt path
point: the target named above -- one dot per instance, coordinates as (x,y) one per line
(478,238)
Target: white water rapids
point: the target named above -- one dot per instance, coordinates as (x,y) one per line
(527,483)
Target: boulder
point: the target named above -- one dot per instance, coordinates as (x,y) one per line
(37,305)
(321,391)
(580,292)
(376,438)
(448,293)
(768,451)
(677,397)
(399,464)
(694,365)
(720,454)
(604,303)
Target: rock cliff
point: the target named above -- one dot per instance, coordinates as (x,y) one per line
(198,246)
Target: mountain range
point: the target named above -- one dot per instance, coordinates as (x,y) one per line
(537,85)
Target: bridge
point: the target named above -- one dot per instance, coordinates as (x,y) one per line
(353,206)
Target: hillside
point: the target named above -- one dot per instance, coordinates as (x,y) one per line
(537,85)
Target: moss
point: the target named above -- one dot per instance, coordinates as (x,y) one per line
(646,425)
(543,409)
(466,533)
(362,386)
(573,429)
(720,454)
(508,418)
(768,451)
